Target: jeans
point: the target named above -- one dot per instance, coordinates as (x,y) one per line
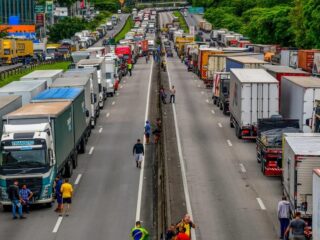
(284,223)
(172,98)
(15,204)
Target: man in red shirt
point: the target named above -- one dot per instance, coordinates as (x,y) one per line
(182,235)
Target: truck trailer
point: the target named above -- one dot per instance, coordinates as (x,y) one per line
(254,94)
(221,91)
(48,75)
(243,62)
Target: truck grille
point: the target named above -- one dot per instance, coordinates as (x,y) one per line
(34,184)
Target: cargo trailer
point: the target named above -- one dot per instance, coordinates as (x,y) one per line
(9,104)
(289,58)
(203,59)
(254,94)
(298,95)
(221,91)
(243,62)
(48,75)
(306,59)
(26,89)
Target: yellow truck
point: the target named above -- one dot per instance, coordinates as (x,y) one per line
(16,50)
(181,42)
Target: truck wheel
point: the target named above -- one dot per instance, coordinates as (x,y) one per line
(258,157)
(238,132)
(68,169)
(7,208)
(82,146)
(75,160)
(262,167)
(231,123)
(221,107)
(48,205)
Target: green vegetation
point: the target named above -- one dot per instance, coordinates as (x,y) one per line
(126,28)
(285,22)
(182,21)
(16,77)
(106,5)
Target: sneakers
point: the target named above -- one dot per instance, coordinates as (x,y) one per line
(15,217)
(22,217)
(137,164)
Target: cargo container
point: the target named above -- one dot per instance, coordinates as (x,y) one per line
(203,59)
(48,75)
(316,64)
(243,62)
(316,204)
(26,89)
(8,104)
(289,58)
(306,58)
(50,134)
(9,51)
(220,91)
(99,64)
(300,156)
(298,96)
(24,48)
(254,94)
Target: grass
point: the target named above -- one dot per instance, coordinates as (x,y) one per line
(16,77)
(182,21)
(127,27)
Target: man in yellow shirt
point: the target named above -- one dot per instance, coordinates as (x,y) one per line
(66,191)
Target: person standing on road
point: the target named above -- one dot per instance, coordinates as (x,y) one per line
(147,132)
(58,194)
(138,152)
(182,234)
(139,232)
(130,68)
(67,192)
(284,213)
(26,195)
(157,131)
(15,198)
(187,224)
(172,95)
(163,95)
(171,232)
(297,226)
(147,58)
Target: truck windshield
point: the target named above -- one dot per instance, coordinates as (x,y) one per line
(24,158)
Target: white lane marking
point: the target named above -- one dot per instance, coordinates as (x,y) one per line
(100,130)
(91,150)
(202,92)
(138,210)
(117,94)
(261,204)
(212,111)
(242,168)
(78,179)
(124,81)
(107,115)
(220,125)
(229,143)
(207,101)
(56,227)
(121,86)
(199,85)
(113,103)
(181,159)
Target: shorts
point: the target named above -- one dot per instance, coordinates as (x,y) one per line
(138,157)
(66,200)
(147,135)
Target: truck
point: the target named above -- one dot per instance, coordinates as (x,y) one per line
(40,141)
(125,52)
(298,95)
(203,59)
(49,75)
(110,77)
(9,104)
(99,64)
(220,91)
(243,62)
(300,156)
(269,142)
(306,58)
(289,57)
(316,204)
(26,89)
(254,94)
(39,48)
(109,25)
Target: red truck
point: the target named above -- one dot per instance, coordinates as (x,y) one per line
(125,52)
(144,47)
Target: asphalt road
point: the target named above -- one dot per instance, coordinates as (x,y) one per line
(230,198)
(105,201)
(193,20)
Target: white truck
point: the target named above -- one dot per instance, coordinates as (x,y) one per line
(254,94)
(298,95)
(109,25)
(110,77)
(48,75)
(301,155)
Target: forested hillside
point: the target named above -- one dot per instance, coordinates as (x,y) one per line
(286,22)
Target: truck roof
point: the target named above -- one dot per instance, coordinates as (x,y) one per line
(43,73)
(246,59)
(252,75)
(43,109)
(305,82)
(80,71)
(282,69)
(90,61)
(305,145)
(6,100)
(69,82)
(58,93)
(22,86)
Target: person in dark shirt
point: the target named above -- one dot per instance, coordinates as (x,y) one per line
(16,200)
(171,233)
(297,226)
(138,152)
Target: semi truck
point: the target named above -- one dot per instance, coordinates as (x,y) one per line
(49,75)
(254,94)
(243,62)
(16,50)
(221,91)
(40,141)
(269,142)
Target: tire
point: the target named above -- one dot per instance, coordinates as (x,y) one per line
(221,106)
(231,123)
(75,160)
(111,94)
(48,205)
(68,169)
(82,146)
(214,101)
(7,208)
(238,132)
(263,167)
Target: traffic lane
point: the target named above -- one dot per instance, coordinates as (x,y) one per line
(106,203)
(221,198)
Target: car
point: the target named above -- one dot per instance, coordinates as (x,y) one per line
(119,11)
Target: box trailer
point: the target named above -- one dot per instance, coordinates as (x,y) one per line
(221,91)
(306,59)
(9,104)
(203,59)
(301,155)
(26,89)
(298,95)
(254,94)
(289,58)
(243,62)
(316,204)
(48,75)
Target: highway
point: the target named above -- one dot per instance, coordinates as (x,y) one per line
(230,198)
(106,181)
(193,20)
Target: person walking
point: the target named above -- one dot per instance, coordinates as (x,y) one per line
(58,184)
(26,195)
(297,226)
(163,95)
(130,68)
(187,224)
(67,192)
(138,232)
(172,95)
(182,235)
(147,58)
(15,198)
(284,213)
(147,132)
(157,131)
(171,232)
(138,152)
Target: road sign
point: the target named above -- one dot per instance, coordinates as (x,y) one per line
(39,9)
(49,6)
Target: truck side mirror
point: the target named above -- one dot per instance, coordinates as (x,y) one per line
(87,113)
(51,159)
(94,98)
